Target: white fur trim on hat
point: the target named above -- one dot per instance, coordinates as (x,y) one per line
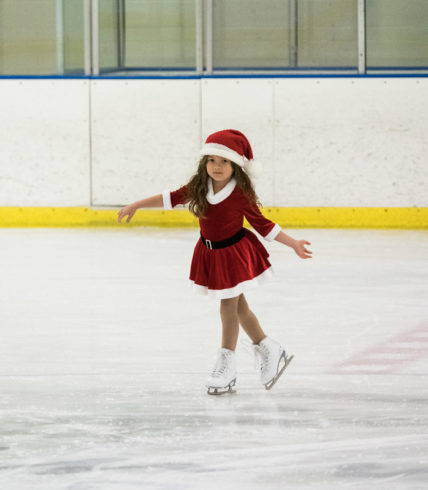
(225,152)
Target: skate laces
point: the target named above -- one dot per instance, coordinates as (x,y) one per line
(221,366)
(259,352)
(263,353)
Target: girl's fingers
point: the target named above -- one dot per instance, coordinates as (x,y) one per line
(130,215)
(122,213)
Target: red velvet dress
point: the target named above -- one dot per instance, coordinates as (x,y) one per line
(228,272)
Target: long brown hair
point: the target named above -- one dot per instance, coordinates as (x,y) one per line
(197,187)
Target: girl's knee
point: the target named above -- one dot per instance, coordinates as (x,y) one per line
(242,305)
(229,304)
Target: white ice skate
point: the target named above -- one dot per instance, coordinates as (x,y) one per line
(273,360)
(223,377)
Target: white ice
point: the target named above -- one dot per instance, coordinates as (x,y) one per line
(104,352)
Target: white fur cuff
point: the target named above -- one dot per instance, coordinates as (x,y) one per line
(273,233)
(166,196)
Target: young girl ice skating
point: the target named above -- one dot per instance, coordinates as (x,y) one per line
(229,259)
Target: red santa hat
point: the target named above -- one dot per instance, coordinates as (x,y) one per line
(230,144)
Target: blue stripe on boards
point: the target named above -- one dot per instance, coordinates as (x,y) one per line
(213,76)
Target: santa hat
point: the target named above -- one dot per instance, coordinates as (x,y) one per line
(232,145)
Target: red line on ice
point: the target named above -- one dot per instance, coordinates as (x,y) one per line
(391,346)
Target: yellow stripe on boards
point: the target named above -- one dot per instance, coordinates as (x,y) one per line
(65,217)
(405,218)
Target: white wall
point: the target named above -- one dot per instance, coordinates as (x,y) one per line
(145,137)
(351,142)
(44,143)
(323,141)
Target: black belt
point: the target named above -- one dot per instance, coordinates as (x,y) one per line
(224,243)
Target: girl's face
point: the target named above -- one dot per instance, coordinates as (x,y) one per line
(219,169)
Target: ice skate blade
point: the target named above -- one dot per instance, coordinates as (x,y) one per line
(222,391)
(287,359)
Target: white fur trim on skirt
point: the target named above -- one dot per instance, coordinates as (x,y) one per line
(240,288)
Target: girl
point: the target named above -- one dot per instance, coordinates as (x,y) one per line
(229,259)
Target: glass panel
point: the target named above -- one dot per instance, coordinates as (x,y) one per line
(397,33)
(328,33)
(109,35)
(28,44)
(273,34)
(41,37)
(74,51)
(250,34)
(160,34)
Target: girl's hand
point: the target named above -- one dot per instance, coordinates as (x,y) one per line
(300,249)
(127,210)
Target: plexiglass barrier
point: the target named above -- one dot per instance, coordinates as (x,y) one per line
(212,37)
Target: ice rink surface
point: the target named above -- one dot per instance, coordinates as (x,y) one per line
(104,352)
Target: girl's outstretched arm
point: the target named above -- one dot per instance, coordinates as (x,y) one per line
(297,245)
(149,202)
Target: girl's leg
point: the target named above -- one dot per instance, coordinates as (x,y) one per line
(229,319)
(249,321)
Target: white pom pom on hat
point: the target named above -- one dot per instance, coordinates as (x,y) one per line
(234,146)
(254,168)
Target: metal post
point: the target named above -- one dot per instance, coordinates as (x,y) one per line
(293,29)
(123,27)
(209,36)
(199,19)
(120,7)
(87,36)
(59,37)
(362,62)
(95,39)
